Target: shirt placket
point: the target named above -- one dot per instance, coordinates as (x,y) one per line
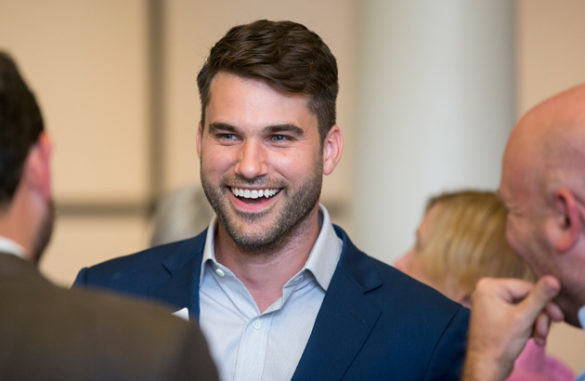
(252,351)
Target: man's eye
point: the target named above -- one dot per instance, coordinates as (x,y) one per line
(280,138)
(227,137)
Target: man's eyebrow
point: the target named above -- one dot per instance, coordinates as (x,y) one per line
(291,128)
(224,127)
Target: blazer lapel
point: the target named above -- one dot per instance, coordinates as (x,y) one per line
(345,319)
(181,289)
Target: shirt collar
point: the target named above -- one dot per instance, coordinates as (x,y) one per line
(8,246)
(322,260)
(582,317)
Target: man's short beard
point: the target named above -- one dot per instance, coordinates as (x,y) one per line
(287,221)
(44,233)
(296,210)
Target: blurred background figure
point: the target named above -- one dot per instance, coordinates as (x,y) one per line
(460,240)
(54,333)
(180,214)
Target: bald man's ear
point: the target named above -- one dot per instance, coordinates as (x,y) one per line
(563,226)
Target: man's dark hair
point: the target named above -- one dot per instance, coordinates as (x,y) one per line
(286,55)
(20,126)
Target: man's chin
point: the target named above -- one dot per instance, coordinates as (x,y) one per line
(250,217)
(248,239)
(570,309)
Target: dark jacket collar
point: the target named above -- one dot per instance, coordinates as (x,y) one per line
(184,267)
(14,268)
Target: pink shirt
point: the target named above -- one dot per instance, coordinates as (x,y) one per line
(534,365)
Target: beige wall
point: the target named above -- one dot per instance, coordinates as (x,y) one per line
(87,61)
(551,48)
(551,57)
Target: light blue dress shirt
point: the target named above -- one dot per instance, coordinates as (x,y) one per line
(251,346)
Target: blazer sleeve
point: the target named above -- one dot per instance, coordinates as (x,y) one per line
(447,360)
(81,279)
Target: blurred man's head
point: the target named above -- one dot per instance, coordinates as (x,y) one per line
(543,187)
(26,211)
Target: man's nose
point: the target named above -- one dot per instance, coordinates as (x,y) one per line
(252,160)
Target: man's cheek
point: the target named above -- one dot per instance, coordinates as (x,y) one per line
(513,239)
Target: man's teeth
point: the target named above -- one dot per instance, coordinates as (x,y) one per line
(254,193)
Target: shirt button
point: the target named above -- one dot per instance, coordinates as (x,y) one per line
(257,324)
(219,272)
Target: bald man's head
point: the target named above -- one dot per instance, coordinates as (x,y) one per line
(543,187)
(547,146)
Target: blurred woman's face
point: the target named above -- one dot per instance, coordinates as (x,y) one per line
(411,262)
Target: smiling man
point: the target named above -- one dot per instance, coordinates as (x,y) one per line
(280,292)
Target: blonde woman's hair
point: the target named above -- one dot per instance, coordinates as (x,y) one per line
(467,240)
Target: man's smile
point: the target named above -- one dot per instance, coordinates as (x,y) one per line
(254,193)
(254,200)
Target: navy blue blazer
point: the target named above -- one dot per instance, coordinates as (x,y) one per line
(375,323)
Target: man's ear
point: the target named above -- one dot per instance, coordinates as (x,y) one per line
(332,149)
(564,224)
(198,140)
(37,168)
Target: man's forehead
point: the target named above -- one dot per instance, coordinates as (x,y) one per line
(524,148)
(227,81)
(233,97)
(510,159)
(516,165)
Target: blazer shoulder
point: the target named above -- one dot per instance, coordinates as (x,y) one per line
(119,330)
(141,269)
(421,302)
(393,290)
(392,326)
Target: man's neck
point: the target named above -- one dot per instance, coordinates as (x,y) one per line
(265,272)
(13,227)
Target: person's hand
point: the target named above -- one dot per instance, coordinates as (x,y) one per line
(505,313)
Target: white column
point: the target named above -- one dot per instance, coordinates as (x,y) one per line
(435,107)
